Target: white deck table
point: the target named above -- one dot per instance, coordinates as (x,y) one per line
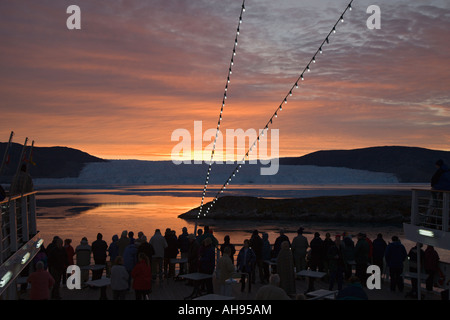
(102,284)
(323,294)
(197,278)
(312,275)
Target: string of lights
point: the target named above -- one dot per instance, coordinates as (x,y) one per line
(223,106)
(306,70)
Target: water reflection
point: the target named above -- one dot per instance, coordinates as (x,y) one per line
(76,213)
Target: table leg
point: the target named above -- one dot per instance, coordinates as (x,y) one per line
(195,292)
(103,295)
(310,284)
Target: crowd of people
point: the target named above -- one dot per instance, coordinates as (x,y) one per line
(132,263)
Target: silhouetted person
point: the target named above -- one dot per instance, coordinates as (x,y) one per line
(99,248)
(395,254)
(379,247)
(41,282)
(22,182)
(431,266)
(441,178)
(228,244)
(57,260)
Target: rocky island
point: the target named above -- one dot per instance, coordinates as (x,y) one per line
(354,208)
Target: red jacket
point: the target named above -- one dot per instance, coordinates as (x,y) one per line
(70,253)
(142,276)
(41,283)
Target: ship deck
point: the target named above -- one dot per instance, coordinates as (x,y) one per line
(172,289)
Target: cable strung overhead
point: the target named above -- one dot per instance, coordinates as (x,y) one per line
(223,104)
(301,77)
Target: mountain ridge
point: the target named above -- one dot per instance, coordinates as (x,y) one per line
(408,164)
(50,162)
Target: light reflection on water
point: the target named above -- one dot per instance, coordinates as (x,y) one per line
(83,212)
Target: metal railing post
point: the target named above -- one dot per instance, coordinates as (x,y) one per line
(32,222)
(24,222)
(414,208)
(445,211)
(1,238)
(12,226)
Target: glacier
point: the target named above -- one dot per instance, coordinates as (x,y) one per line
(139,172)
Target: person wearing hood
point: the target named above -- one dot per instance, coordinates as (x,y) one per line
(395,255)
(83,253)
(113,249)
(130,259)
(124,241)
(159,244)
(285,268)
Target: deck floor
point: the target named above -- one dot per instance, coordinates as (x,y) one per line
(171,289)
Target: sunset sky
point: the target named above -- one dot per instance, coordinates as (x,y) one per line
(140,69)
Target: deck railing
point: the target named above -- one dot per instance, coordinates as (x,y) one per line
(430,209)
(18,223)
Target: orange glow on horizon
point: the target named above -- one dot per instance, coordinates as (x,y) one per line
(119,87)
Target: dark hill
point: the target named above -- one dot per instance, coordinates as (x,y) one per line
(409,164)
(355,208)
(51,162)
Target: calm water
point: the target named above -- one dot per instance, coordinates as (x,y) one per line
(84,211)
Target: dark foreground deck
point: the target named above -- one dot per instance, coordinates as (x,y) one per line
(171,289)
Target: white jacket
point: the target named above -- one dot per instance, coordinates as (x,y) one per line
(119,277)
(159,243)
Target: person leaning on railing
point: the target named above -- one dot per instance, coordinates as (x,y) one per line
(441,178)
(439,181)
(22,182)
